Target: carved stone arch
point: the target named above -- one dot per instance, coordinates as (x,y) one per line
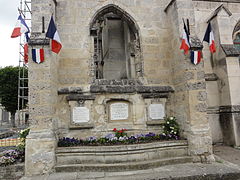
(116,10)
(117,49)
(236,35)
(236,29)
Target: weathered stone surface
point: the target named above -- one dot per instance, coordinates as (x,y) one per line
(230,50)
(77,97)
(211,77)
(159,70)
(129,89)
(38,42)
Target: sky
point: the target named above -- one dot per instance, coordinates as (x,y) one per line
(9,47)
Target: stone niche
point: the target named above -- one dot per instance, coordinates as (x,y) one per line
(119,111)
(155,110)
(81,116)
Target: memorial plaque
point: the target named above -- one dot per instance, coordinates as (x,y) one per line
(80,115)
(156,111)
(119,111)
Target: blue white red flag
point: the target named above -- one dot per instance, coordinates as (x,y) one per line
(20,28)
(185,40)
(209,37)
(196,57)
(53,34)
(38,55)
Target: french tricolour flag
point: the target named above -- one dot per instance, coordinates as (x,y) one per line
(38,55)
(20,27)
(209,37)
(185,40)
(196,57)
(53,34)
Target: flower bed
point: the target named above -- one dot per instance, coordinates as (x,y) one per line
(17,154)
(12,156)
(170,132)
(111,139)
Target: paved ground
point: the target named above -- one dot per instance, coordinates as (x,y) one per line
(227,153)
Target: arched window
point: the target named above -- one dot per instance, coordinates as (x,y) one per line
(116,44)
(236,35)
(236,41)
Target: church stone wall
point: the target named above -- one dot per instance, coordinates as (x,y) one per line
(66,84)
(218,88)
(76,67)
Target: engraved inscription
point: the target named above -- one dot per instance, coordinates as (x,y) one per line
(119,111)
(156,111)
(80,115)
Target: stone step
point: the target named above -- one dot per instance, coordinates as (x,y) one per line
(118,167)
(121,154)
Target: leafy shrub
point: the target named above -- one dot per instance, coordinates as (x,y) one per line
(171,128)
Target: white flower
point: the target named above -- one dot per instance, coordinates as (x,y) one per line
(171,118)
(167,122)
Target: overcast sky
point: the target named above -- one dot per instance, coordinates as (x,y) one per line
(9,48)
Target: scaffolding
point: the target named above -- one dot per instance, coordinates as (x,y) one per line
(22,113)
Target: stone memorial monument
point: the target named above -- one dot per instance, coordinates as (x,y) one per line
(120,66)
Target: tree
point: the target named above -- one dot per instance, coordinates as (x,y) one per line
(9,90)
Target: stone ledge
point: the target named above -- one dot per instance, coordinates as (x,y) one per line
(69,90)
(77,97)
(129,89)
(39,42)
(123,82)
(213,110)
(81,126)
(121,148)
(230,50)
(155,122)
(155,95)
(229,109)
(211,77)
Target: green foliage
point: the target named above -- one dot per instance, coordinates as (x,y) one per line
(171,127)
(9,87)
(23,134)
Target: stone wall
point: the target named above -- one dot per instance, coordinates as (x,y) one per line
(78,71)
(12,172)
(222,89)
(164,75)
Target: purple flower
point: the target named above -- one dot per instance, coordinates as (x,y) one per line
(92,138)
(110,136)
(150,134)
(140,136)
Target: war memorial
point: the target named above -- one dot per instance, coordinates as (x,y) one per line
(120,67)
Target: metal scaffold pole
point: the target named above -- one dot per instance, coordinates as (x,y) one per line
(25,11)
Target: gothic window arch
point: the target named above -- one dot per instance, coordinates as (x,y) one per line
(236,36)
(117,52)
(236,40)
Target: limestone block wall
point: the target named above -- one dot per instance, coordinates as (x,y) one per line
(167,76)
(220,90)
(74,18)
(43,83)
(190,87)
(76,66)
